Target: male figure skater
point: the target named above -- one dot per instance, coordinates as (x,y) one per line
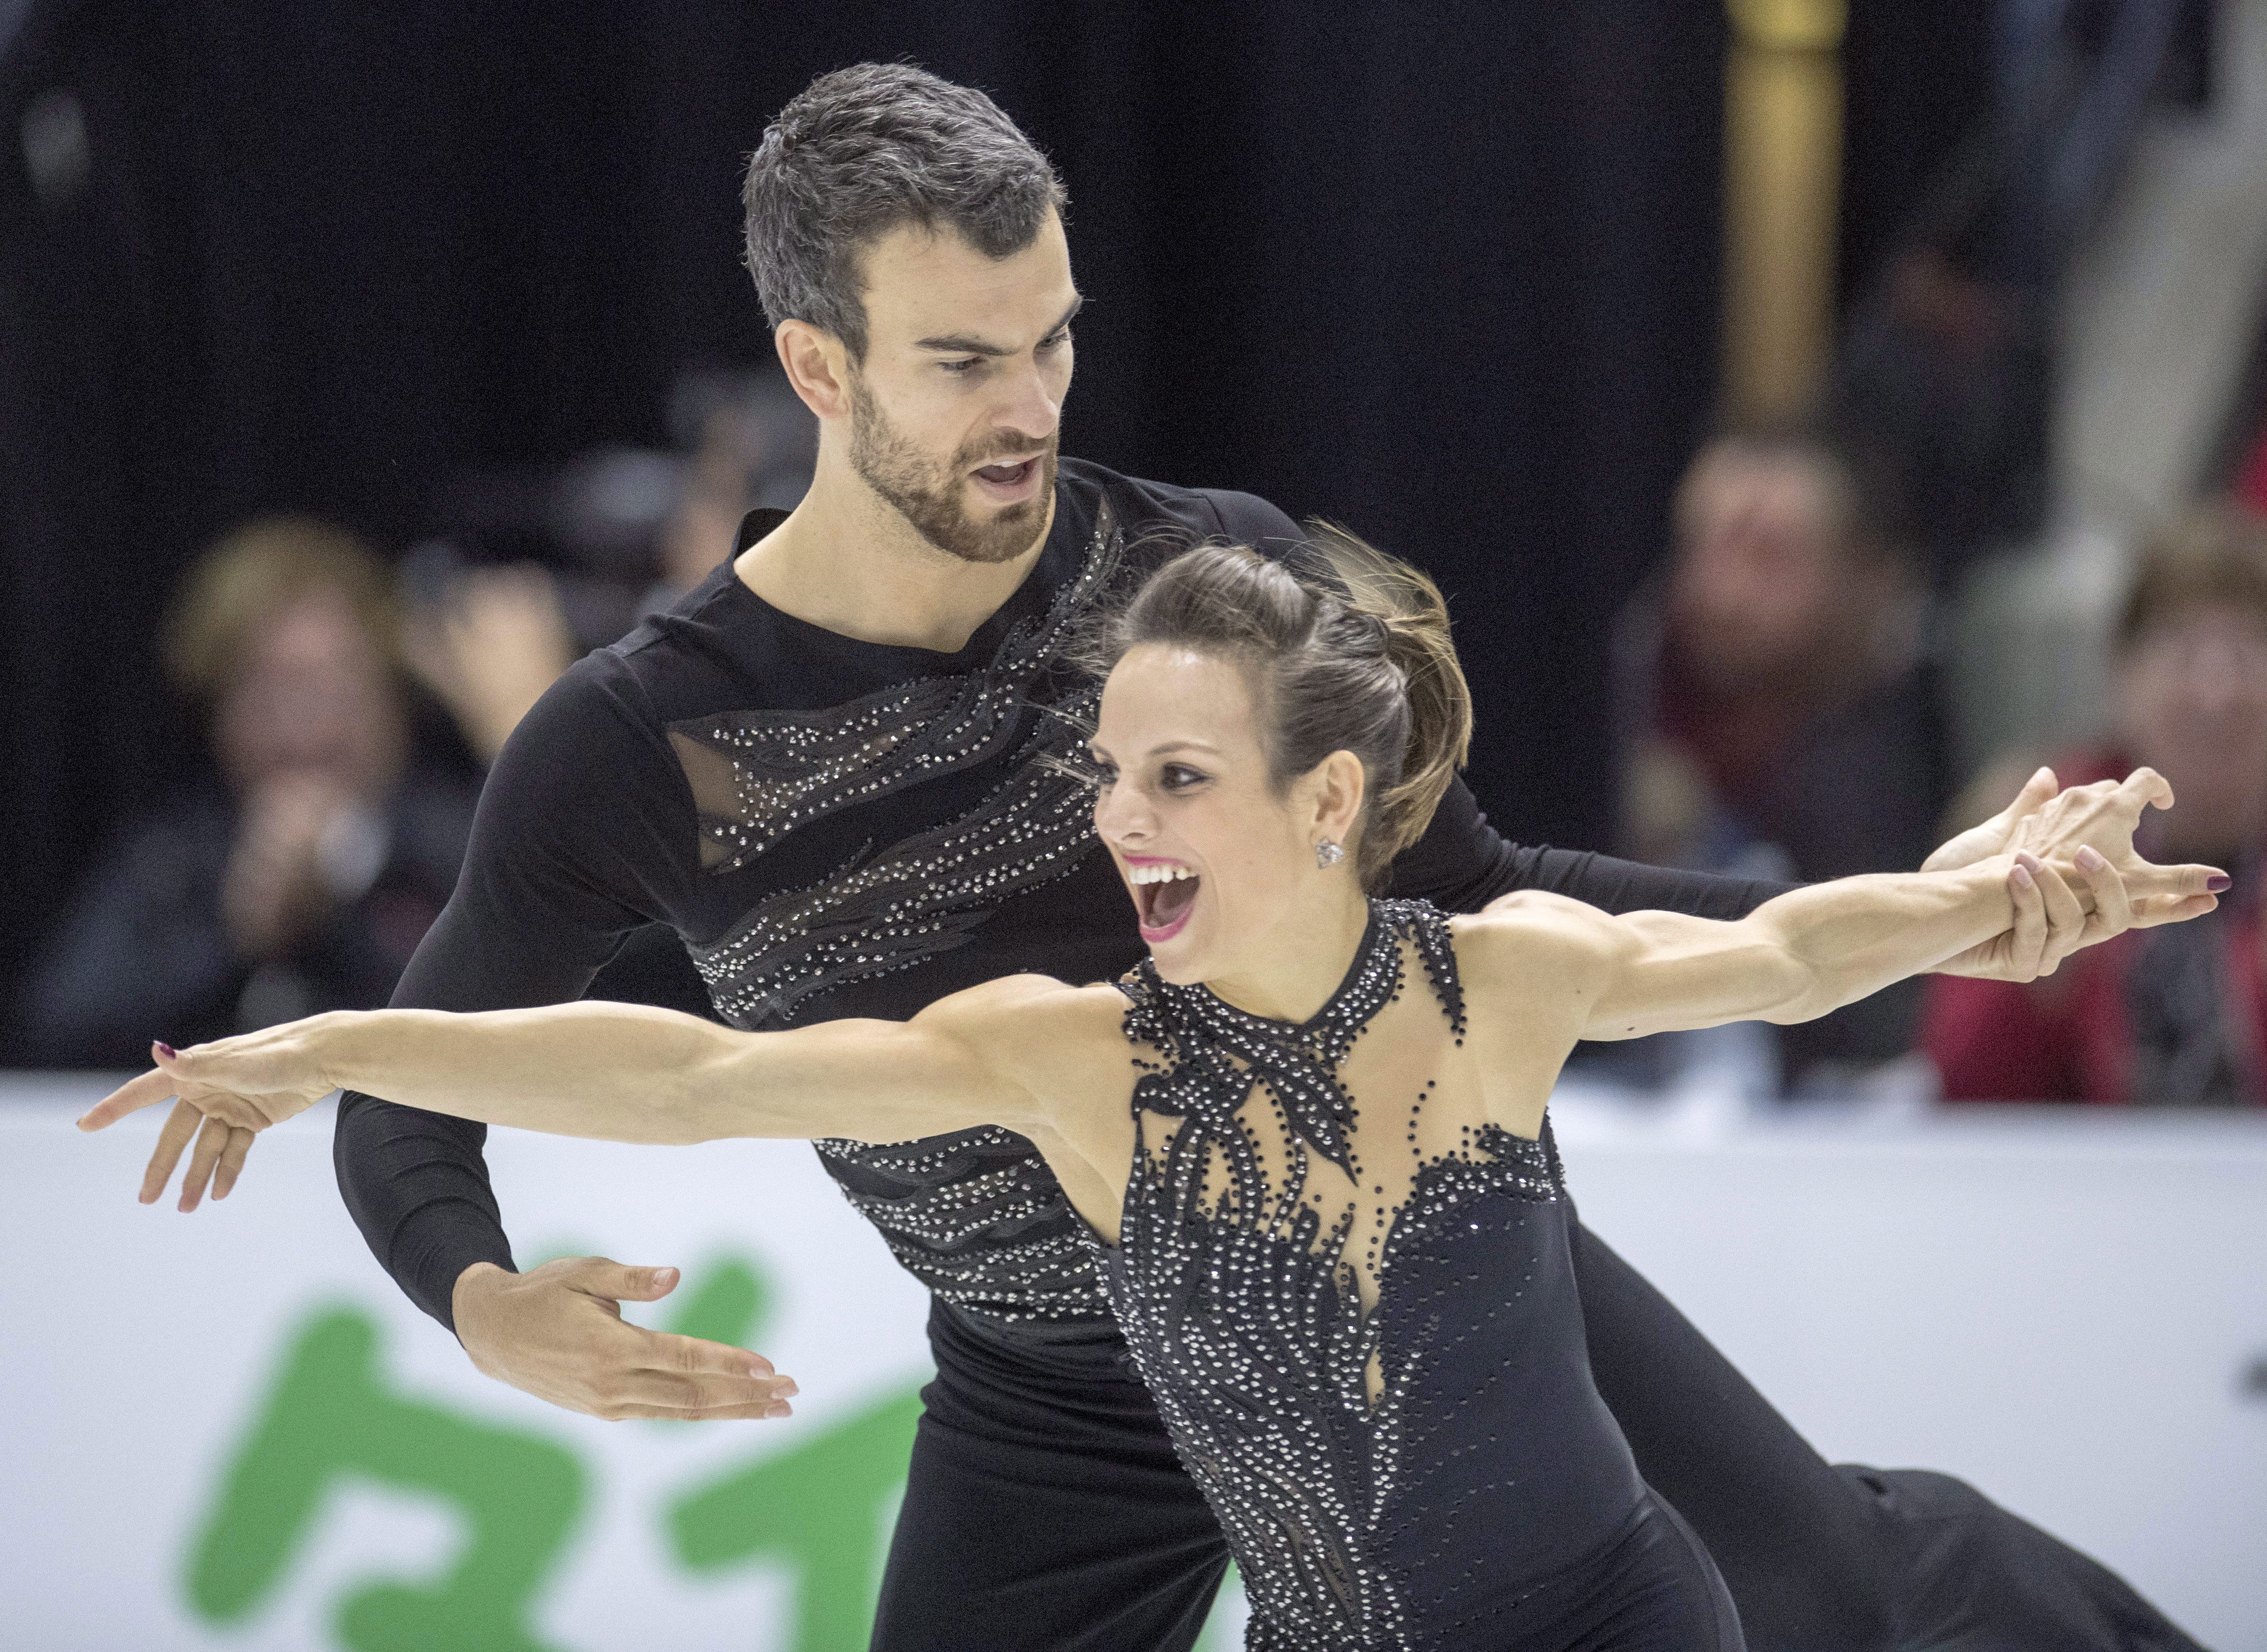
(832,769)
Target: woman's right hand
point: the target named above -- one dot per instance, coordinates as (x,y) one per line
(225,1094)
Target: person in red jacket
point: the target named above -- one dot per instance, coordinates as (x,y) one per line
(2169,1018)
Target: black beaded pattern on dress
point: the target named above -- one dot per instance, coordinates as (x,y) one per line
(1243,1313)
(976,1216)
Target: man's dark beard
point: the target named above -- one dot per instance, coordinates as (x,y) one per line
(930,495)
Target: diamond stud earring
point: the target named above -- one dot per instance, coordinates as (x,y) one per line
(1327,853)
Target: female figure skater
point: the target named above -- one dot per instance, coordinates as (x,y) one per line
(1307,1134)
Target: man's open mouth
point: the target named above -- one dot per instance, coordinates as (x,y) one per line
(1163,894)
(1009,475)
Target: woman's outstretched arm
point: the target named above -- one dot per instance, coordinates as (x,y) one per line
(617,1071)
(1794,958)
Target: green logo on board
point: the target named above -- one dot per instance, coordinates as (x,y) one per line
(821,1507)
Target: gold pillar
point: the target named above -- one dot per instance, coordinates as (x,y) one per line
(1782,180)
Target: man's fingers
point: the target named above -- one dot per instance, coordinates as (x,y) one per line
(210,1140)
(761,1411)
(181,1125)
(150,1088)
(2036,791)
(687,1376)
(2143,787)
(696,1395)
(695,1357)
(232,1161)
(597,1277)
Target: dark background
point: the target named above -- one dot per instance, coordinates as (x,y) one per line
(1448,275)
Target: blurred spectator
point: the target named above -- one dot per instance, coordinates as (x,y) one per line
(752,443)
(304,877)
(487,643)
(1782,714)
(2173,1017)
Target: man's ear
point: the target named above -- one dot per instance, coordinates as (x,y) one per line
(817,366)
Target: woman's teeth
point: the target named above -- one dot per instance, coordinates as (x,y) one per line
(1158,874)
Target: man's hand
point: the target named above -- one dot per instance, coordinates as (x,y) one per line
(2089,828)
(558,1333)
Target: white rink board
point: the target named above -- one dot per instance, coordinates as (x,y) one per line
(2061,1310)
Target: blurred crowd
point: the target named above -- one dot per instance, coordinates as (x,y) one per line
(1785,713)
(349,707)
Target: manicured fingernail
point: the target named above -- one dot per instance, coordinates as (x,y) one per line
(663,1278)
(2219,883)
(167,1050)
(2090,858)
(2022,875)
(779,1410)
(759,1366)
(785,1388)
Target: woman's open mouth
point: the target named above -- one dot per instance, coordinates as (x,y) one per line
(1164,894)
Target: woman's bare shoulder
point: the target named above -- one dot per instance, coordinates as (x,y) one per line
(1021,1018)
(1531,932)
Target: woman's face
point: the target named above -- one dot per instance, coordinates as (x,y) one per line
(1216,859)
(2192,704)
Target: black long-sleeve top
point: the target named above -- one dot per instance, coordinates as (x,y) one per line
(837,828)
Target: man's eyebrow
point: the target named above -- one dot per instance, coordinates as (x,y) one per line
(966,344)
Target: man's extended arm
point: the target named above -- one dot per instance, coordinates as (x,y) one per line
(543,901)
(1461,864)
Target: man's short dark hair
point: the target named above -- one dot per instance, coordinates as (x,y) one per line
(860,152)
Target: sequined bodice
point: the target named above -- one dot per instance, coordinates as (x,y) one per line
(1352,1298)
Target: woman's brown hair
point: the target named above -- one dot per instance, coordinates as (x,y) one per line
(1345,648)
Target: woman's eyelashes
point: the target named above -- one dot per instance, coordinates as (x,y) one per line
(1171,776)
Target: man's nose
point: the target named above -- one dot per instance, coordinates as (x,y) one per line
(1030,407)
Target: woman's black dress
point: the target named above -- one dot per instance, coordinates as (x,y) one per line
(1359,1321)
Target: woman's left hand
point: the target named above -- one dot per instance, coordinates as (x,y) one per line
(225,1094)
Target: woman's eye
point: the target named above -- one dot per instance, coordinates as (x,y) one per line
(1179,777)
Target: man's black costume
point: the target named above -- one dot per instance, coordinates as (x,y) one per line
(839,827)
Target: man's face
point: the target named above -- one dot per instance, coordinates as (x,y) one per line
(956,411)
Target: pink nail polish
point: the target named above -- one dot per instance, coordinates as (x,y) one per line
(2220,883)
(166,1050)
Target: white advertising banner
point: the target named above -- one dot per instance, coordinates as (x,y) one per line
(229,1430)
